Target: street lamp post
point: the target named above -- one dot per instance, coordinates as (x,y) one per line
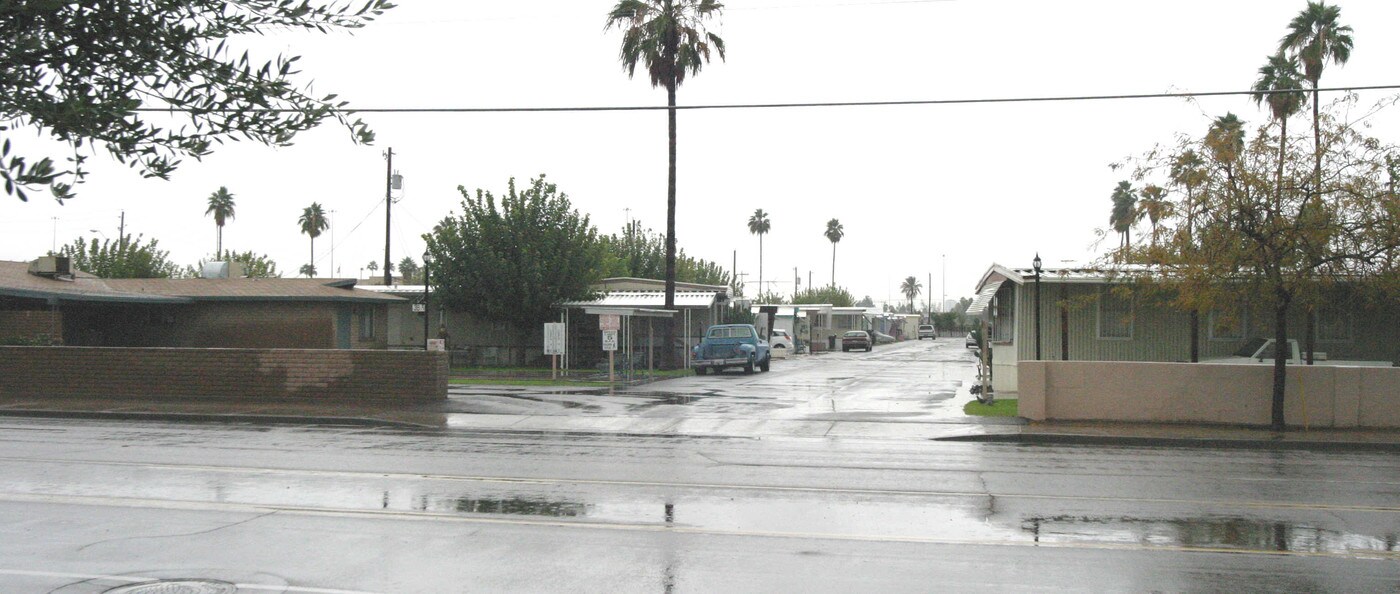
(1035,265)
(427,311)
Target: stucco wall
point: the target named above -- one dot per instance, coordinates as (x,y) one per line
(1317,396)
(241,374)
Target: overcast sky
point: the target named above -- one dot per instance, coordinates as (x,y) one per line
(979,183)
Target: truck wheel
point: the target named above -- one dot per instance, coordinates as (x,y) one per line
(748,367)
(767,362)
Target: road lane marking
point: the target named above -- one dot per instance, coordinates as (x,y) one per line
(721,486)
(664,528)
(132,579)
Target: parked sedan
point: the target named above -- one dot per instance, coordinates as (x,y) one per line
(856,339)
(971,341)
(927,331)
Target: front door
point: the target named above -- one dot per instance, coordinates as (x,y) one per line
(342,327)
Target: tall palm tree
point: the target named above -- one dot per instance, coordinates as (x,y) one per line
(1124,211)
(669,37)
(221,206)
(1154,205)
(313,222)
(1280,73)
(1188,171)
(1225,140)
(911,289)
(759,225)
(834,233)
(1314,38)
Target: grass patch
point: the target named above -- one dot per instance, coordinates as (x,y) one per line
(510,381)
(998,408)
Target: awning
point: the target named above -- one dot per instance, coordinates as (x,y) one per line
(630,311)
(984,298)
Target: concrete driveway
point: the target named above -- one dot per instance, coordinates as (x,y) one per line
(914,381)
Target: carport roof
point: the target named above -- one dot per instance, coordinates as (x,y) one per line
(15,281)
(647,300)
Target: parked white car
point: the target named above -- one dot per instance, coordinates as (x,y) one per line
(1260,351)
(781,343)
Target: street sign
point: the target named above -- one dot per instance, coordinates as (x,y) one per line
(437,344)
(610,340)
(609,322)
(419,308)
(554,338)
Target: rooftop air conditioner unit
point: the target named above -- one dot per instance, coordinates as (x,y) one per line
(51,266)
(222,270)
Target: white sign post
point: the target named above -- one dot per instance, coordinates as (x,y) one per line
(610,345)
(554,345)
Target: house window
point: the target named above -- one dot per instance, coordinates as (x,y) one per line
(818,320)
(1003,318)
(1115,315)
(366,322)
(1333,323)
(1227,324)
(844,322)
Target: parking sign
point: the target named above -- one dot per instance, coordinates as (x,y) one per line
(610,340)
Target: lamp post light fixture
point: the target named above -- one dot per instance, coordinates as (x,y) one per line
(427,311)
(1035,265)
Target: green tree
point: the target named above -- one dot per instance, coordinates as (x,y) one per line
(1278,250)
(313,222)
(78,72)
(410,270)
(759,225)
(834,233)
(514,259)
(669,38)
(639,253)
(910,288)
(123,258)
(1124,212)
(307,270)
(866,302)
(372,267)
(221,207)
(836,296)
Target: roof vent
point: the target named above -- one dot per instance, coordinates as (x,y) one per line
(222,270)
(51,267)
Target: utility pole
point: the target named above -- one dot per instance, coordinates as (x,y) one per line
(333,272)
(930,298)
(121,231)
(809,280)
(388,202)
(54,249)
(942,305)
(796,281)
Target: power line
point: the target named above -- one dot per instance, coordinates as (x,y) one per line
(970,101)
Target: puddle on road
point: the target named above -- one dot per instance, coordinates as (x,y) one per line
(1207,532)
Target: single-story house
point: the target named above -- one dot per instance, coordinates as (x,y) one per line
(44,302)
(473,341)
(1094,315)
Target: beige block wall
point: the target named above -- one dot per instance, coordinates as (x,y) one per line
(1318,396)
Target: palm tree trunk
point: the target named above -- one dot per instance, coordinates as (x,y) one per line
(219,243)
(311,263)
(670,334)
(760,264)
(833,265)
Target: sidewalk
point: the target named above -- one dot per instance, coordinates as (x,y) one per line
(448,415)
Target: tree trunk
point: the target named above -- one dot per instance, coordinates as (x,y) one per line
(760,265)
(311,263)
(219,245)
(1308,344)
(833,265)
(1281,354)
(1195,336)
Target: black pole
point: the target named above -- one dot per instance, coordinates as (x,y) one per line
(1037,315)
(388,202)
(427,311)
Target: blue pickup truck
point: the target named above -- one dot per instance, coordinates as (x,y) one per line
(731,345)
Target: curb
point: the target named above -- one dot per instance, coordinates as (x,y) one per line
(1189,442)
(208,418)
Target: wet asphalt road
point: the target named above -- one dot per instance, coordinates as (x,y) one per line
(87,506)
(913,381)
